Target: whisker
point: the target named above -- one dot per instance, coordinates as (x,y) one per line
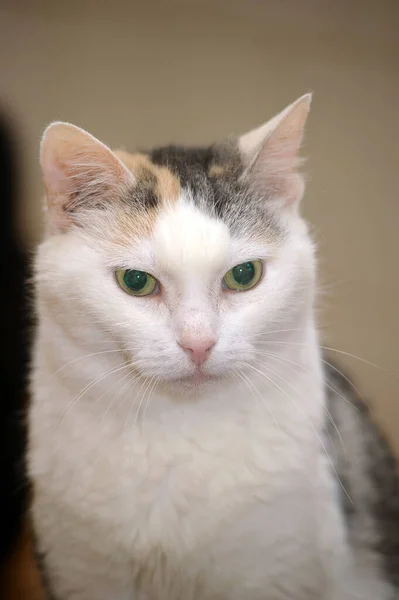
(105,392)
(311,424)
(123,388)
(263,334)
(146,387)
(284,358)
(330,417)
(329,349)
(239,376)
(150,395)
(246,381)
(75,360)
(255,390)
(76,399)
(140,394)
(145,379)
(348,381)
(269,332)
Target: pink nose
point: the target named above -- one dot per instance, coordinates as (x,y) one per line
(198,349)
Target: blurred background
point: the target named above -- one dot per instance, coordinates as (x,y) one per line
(142,73)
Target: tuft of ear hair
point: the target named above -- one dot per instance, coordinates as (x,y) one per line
(78,171)
(271,153)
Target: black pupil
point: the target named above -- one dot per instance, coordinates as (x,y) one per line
(244,274)
(135,280)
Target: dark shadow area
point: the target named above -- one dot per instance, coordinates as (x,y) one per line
(15,336)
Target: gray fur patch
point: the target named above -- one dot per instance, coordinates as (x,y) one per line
(368,471)
(212,177)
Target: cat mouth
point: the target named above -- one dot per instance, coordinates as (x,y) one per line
(197,379)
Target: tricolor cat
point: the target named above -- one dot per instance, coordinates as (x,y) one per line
(180,443)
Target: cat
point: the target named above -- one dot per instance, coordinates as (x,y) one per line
(180,445)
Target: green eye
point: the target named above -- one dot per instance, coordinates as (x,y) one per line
(244,277)
(136,283)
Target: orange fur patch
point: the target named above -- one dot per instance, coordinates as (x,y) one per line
(167,185)
(133,226)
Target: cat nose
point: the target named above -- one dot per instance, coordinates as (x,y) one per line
(198,349)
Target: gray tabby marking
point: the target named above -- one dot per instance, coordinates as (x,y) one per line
(368,471)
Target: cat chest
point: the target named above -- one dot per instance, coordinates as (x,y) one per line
(198,502)
(156,489)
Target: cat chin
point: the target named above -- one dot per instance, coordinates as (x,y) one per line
(195,384)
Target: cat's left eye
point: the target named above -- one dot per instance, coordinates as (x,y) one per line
(244,276)
(137,283)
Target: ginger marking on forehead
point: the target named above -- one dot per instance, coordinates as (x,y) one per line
(166,184)
(137,222)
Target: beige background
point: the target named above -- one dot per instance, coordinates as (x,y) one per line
(143,73)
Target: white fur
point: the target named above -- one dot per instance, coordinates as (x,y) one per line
(218,491)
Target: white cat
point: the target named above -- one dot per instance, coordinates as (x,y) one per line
(177,444)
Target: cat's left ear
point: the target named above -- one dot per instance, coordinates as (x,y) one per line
(79,173)
(271,153)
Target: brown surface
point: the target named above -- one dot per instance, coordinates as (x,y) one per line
(20,579)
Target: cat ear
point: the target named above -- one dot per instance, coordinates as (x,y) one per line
(271,153)
(79,171)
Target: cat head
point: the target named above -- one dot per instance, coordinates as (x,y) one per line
(185,258)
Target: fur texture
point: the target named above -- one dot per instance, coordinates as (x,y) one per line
(154,477)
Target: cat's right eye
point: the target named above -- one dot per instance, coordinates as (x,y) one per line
(136,283)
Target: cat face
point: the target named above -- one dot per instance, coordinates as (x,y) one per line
(185,258)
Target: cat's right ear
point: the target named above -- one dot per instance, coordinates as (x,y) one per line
(79,172)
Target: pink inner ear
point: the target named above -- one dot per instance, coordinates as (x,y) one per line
(68,166)
(272,152)
(55,178)
(276,167)
(281,155)
(275,170)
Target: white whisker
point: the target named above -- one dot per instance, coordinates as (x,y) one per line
(309,420)
(75,360)
(257,395)
(150,395)
(123,388)
(329,349)
(76,399)
(133,404)
(288,360)
(145,389)
(282,361)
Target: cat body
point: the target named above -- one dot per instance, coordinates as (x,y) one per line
(177,440)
